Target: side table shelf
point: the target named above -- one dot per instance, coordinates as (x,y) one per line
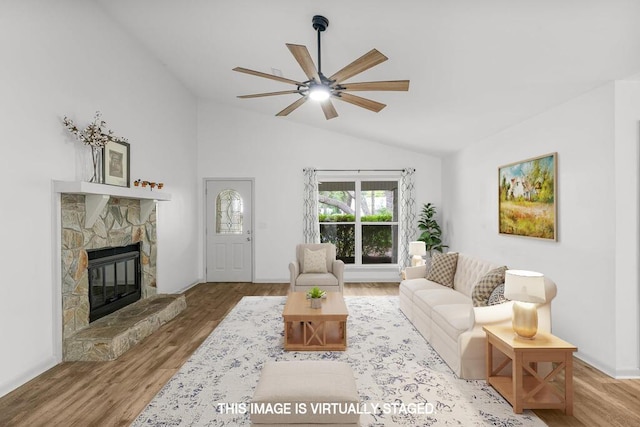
(527,387)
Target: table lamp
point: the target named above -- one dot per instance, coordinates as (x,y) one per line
(526,290)
(417,250)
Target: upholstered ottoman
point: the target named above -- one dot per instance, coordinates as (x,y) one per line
(306,392)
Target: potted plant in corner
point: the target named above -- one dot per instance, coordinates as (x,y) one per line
(316,294)
(431,233)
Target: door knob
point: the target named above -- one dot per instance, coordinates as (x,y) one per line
(248,239)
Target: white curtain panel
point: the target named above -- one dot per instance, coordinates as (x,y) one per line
(407,215)
(311,227)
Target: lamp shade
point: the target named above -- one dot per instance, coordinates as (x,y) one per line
(417,248)
(524,286)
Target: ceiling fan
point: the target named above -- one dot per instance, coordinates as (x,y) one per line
(323,89)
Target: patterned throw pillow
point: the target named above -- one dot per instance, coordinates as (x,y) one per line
(497,296)
(487,283)
(443,268)
(314,261)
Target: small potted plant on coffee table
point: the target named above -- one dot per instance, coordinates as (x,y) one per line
(316,294)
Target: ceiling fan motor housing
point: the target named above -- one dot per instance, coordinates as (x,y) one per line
(320,23)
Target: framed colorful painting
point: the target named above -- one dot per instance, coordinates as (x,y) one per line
(527,198)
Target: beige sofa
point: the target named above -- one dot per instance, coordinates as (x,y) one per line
(448,320)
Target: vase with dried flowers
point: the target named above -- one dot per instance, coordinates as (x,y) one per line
(96,136)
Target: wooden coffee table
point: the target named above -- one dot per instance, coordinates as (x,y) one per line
(524,387)
(307,328)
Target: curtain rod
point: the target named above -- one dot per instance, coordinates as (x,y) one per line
(360,170)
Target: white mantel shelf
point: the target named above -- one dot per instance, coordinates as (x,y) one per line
(97,196)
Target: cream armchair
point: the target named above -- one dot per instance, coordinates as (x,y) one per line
(308,272)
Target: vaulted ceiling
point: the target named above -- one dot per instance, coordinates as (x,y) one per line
(476,67)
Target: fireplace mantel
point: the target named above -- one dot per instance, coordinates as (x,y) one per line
(97,196)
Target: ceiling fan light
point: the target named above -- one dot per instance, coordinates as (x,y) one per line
(319,93)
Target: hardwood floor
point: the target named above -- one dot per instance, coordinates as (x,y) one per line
(113,393)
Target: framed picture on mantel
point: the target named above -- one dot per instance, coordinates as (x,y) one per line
(115,164)
(527,198)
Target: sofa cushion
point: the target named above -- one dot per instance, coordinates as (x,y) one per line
(484,287)
(317,279)
(443,268)
(453,319)
(426,299)
(497,296)
(410,287)
(314,261)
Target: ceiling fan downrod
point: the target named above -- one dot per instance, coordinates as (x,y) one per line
(320,24)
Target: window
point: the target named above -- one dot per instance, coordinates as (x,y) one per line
(360,217)
(229,212)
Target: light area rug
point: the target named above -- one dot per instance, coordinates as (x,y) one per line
(392,363)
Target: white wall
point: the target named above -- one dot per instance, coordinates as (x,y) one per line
(597,219)
(236,143)
(627,190)
(68,58)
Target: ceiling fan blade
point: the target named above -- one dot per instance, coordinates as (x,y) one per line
(398,85)
(266,76)
(258,95)
(301,53)
(361,102)
(329,110)
(292,107)
(366,61)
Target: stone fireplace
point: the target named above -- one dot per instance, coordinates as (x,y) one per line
(107,240)
(119,224)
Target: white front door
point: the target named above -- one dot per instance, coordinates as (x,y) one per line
(229,235)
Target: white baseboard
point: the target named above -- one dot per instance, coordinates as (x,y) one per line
(618,374)
(351,280)
(186,288)
(286,281)
(27,376)
(363,278)
(602,367)
(627,374)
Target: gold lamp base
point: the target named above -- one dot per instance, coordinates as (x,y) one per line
(525,319)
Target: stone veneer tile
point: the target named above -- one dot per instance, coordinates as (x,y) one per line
(71,239)
(99,228)
(137,234)
(133,215)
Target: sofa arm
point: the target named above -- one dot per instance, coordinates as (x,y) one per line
(294,272)
(493,314)
(418,272)
(550,289)
(338,271)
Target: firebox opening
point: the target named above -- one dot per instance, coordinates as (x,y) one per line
(114,279)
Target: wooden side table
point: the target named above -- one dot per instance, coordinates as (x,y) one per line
(525,388)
